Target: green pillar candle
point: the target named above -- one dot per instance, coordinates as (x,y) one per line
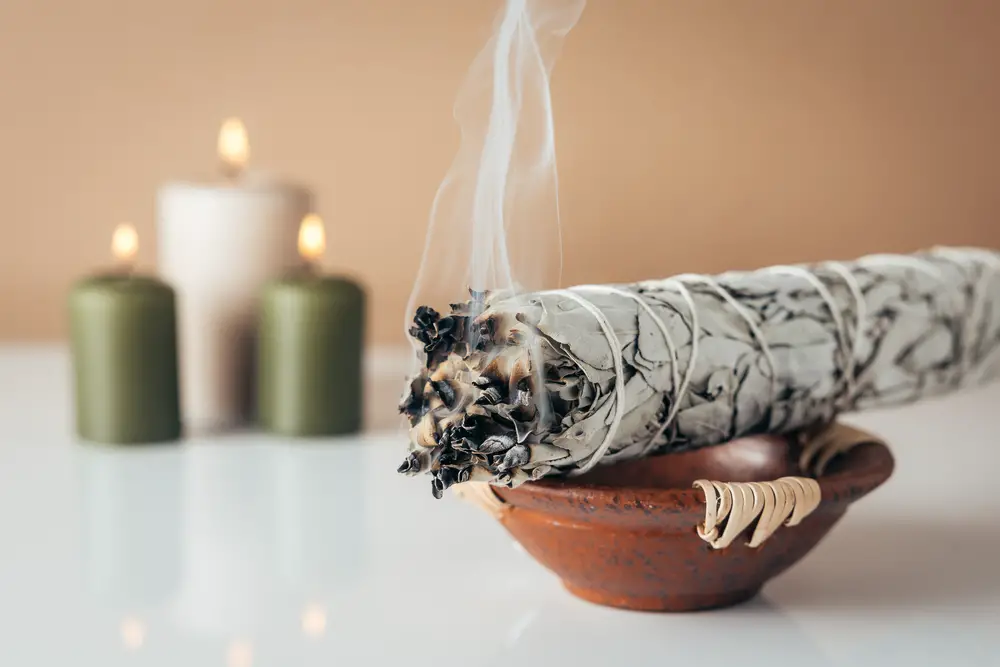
(309,356)
(124,349)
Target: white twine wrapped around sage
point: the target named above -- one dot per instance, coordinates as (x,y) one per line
(519,387)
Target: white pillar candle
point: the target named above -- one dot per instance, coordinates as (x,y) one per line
(218,244)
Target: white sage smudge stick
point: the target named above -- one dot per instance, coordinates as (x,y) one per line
(517,388)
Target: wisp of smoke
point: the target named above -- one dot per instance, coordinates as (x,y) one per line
(494,224)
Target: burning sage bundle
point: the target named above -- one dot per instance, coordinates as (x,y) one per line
(515,388)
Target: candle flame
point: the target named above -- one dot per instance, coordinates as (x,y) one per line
(234,146)
(312,237)
(124,243)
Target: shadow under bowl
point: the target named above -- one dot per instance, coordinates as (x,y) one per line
(626,535)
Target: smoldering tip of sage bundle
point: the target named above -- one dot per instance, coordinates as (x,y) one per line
(474,408)
(515,388)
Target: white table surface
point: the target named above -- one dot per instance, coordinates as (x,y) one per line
(251,550)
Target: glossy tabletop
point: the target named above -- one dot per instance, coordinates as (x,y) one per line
(246,550)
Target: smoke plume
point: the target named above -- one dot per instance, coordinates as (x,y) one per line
(494,224)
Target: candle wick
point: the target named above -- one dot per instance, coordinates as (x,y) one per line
(231,171)
(126,267)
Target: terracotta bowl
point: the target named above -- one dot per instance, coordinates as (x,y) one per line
(626,535)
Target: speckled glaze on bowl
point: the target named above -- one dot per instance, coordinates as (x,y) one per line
(625,535)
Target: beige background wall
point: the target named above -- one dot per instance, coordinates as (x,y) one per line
(691,135)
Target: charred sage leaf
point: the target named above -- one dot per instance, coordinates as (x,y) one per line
(515,457)
(490,396)
(414,403)
(446,392)
(410,465)
(495,444)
